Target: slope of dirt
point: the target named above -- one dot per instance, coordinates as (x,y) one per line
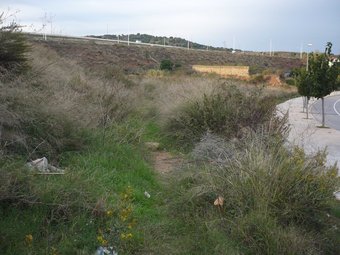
(136,58)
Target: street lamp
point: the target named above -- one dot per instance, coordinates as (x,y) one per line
(309,44)
(306,98)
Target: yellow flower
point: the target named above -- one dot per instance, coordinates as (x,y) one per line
(101,240)
(126,236)
(109,213)
(28,239)
(123,218)
(54,251)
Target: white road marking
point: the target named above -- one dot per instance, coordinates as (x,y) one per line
(337,101)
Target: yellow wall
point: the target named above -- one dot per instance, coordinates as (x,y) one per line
(240,71)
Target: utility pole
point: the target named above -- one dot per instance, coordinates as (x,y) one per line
(233,51)
(306,99)
(301,48)
(270,47)
(50,20)
(44,35)
(309,44)
(129,35)
(44,19)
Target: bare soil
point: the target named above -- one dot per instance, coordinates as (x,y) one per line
(164,162)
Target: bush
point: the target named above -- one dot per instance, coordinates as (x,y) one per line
(275,200)
(31,128)
(257,79)
(290,81)
(226,111)
(166,64)
(261,234)
(13,49)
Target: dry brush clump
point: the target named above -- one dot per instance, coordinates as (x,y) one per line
(226,110)
(43,111)
(167,93)
(268,199)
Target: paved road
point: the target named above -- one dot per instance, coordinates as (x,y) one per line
(305,132)
(332,111)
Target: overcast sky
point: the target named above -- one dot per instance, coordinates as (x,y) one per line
(288,24)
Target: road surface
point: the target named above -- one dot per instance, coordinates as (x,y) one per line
(306,134)
(332,111)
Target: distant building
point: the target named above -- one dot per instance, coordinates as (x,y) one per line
(333,60)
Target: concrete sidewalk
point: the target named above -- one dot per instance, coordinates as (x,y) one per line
(305,133)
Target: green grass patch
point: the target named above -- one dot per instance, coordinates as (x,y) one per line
(99,201)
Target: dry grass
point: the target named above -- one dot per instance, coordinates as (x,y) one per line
(264,189)
(169,92)
(73,90)
(225,71)
(47,106)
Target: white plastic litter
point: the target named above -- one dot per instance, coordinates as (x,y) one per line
(103,251)
(41,165)
(147,194)
(337,195)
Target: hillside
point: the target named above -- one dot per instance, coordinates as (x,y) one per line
(152,164)
(162,40)
(138,58)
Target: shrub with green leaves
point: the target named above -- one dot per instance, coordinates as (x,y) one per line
(166,64)
(13,48)
(226,111)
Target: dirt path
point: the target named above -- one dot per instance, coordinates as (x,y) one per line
(164,162)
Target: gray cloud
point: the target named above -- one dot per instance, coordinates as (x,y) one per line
(252,23)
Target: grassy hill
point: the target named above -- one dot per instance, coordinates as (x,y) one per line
(236,188)
(138,58)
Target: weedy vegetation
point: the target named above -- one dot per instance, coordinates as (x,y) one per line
(240,189)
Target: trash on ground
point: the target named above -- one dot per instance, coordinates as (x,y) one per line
(219,201)
(337,195)
(41,164)
(103,251)
(147,194)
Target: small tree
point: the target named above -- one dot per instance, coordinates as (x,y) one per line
(166,64)
(320,79)
(323,75)
(303,83)
(13,48)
